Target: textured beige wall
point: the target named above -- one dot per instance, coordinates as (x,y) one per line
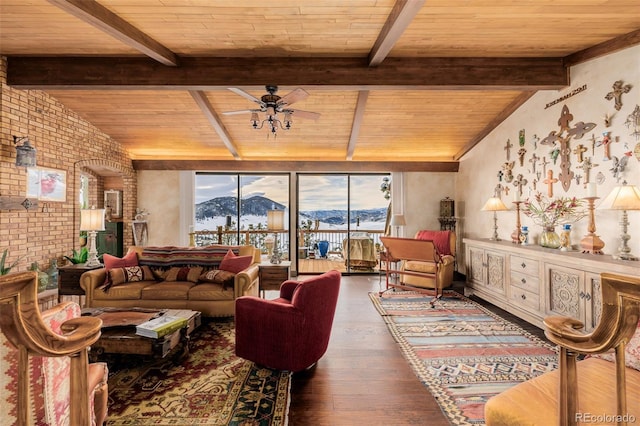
(477,177)
(422,194)
(159,194)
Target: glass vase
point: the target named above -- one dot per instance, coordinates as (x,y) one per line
(549,238)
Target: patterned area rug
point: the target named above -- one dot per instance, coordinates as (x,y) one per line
(210,386)
(461,351)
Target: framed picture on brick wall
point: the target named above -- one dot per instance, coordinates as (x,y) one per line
(47,184)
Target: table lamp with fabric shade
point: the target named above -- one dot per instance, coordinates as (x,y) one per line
(624,197)
(494,204)
(92,221)
(397,221)
(275,222)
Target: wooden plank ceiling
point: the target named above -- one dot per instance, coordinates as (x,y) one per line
(399,84)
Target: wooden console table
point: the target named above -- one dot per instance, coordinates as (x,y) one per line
(534,282)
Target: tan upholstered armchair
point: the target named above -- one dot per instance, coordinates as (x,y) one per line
(600,389)
(45,376)
(445,243)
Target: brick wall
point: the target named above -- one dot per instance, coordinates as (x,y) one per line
(65,142)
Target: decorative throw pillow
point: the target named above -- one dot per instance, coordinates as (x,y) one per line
(218,276)
(128,274)
(235,264)
(111,262)
(184,273)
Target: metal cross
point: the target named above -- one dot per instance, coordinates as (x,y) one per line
(521,153)
(586,167)
(519,183)
(507,148)
(533,160)
(544,163)
(579,151)
(616,94)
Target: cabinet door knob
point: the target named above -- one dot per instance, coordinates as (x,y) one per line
(523,296)
(582,295)
(587,296)
(524,265)
(523,281)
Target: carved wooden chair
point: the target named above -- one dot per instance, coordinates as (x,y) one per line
(23,326)
(592,387)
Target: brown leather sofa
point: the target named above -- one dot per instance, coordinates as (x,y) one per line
(445,242)
(213,299)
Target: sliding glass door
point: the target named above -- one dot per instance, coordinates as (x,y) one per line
(235,209)
(340,219)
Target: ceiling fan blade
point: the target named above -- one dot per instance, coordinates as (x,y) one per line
(293,96)
(304,114)
(242,111)
(246,95)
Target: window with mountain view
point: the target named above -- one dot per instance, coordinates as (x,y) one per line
(233,208)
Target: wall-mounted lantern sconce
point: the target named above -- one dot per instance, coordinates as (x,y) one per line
(25,153)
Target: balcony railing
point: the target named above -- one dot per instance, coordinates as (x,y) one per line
(307,239)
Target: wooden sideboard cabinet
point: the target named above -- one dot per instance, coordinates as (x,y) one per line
(534,282)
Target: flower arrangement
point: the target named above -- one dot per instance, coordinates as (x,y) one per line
(549,213)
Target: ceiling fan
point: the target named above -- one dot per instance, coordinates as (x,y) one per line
(272,104)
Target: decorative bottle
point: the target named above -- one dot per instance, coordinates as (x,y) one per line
(565,237)
(524,235)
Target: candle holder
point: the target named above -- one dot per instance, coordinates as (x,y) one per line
(515,235)
(591,243)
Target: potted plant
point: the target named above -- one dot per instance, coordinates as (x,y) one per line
(4,270)
(79,256)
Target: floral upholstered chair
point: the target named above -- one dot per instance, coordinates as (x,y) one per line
(45,377)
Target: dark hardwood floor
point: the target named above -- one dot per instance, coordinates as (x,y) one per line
(363,379)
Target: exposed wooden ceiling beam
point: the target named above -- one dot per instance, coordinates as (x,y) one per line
(604,48)
(399,19)
(297,166)
(102,18)
(361,106)
(504,114)
(207,73)
(212,116)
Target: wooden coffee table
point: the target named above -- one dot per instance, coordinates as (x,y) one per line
(119,332)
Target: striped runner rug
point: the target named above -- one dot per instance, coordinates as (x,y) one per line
(461,351)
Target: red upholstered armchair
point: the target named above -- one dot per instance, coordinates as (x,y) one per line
(291,332)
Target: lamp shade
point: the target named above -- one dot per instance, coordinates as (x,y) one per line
(398,220)
(494,204)
(624,197)
(92,219)
(275,220)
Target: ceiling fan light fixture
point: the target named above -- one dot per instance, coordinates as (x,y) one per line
(272,104)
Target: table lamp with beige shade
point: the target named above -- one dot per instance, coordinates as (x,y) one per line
(92,221)
(494,204)
(624,197)
(275,222)
(397,221)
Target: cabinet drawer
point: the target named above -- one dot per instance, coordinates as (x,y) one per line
(274,273)
(524,265)
(525,299)
(526,282)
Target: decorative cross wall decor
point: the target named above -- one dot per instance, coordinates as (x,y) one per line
(579,151)
(550,180)
(521,154)
(519,183)
(507,148)
(586,167)
(564,137)
(533,160)
(616,94)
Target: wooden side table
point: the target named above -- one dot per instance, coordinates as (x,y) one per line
(272,275)
(69,279)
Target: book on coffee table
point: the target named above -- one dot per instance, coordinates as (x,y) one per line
(161,326)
